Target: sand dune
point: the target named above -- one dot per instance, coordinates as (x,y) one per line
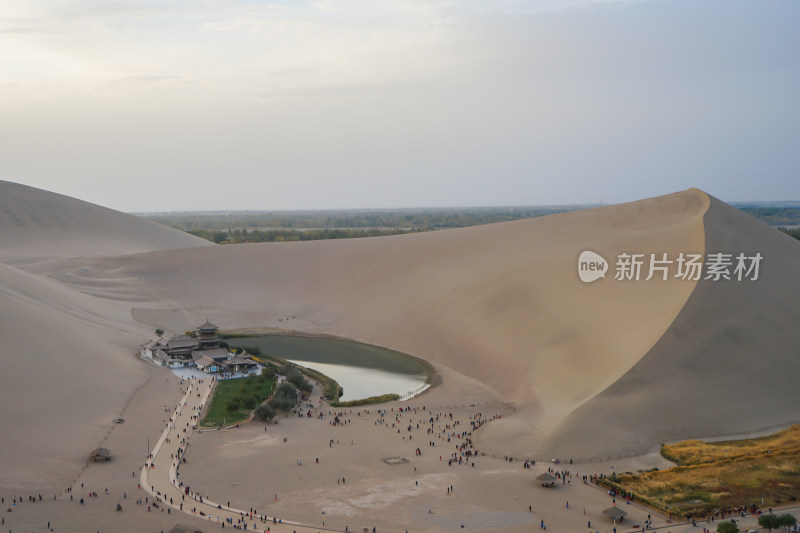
(727,364)
(593,369)
(67,370)
(38,225)
(500,303)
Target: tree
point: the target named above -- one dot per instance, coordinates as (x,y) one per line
(234,404)
(249,402)
(727,527)
(769,521)
(786,520)
(265,413)
(159,332)
(294,377)
(285,397)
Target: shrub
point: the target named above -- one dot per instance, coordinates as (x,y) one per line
(294,377)
(265,413)
(786,520)
(268,372)
(285,397)
(727,527)
(159,332)
(769,521)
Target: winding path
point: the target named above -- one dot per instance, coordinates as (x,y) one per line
(159,477)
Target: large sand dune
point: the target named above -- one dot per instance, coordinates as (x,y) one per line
(501,303)
(37,225)
(593,369)
(727,365)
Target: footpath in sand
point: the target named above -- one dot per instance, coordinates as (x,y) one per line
(302,460)
(160,475)
(246,465)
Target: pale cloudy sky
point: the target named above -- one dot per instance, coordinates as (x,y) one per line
(224,104)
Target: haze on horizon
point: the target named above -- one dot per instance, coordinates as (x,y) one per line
(221,105)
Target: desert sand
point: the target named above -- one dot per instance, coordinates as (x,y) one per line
(40,225)
(588,372)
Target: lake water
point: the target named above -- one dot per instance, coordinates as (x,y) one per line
(361,370)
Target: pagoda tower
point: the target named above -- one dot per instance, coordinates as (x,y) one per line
(207,335)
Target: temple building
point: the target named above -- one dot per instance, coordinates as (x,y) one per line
(207,336)
(201,351)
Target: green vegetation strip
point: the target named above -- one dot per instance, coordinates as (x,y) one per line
(269,226)
(368,401)
(721,474)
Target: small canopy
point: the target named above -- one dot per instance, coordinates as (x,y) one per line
(548,480)
(100,454)
(615,513)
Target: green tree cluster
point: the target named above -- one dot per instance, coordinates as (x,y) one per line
(727,527)
(792,232)
(265,413)
(773,521)
(294,377)
(285,397)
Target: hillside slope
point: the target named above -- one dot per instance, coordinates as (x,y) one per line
(38,225)
(67,367)
(500,303)
(727,365)
(594,370)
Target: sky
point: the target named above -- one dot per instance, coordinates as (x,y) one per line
(240,104)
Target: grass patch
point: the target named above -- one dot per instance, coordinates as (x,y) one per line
(368,401)
(235,399)
(693,452)
(706,480)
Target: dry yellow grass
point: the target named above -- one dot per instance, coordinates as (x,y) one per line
(766,467)
(692,452)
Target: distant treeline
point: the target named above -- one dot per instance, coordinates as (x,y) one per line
(794,232)
(785,217)
(280,235)
(272,226)
(276,226)
(774,216)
